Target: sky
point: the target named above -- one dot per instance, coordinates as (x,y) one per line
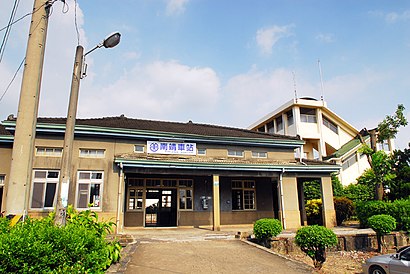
(221,62)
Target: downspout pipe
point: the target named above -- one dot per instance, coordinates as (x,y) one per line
(120,187)
(282,202)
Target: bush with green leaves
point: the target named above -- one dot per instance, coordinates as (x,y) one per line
(382,224)
(344,209)
(266,228)
(313,240)
(314,211)
(399,210)
(359,192)
(37,246)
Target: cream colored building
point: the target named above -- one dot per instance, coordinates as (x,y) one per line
(327,136)
(142,173)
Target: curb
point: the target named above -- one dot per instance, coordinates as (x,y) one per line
(126,255)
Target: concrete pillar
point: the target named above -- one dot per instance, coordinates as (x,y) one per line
(216,204)
(120,199)
(328,208)
(19,183)
(290,201)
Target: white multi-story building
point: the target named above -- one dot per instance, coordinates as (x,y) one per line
(327,136)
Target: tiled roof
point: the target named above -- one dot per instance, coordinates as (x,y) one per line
(123,122)
(219,160)
(346,147)
(3,130)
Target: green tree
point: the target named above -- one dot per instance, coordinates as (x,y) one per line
(399,188)
(313,240)
(382,224)
(386,129)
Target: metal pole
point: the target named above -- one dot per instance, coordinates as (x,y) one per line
(65,176)
(24,136)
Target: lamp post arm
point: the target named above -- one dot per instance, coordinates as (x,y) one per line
(64,181)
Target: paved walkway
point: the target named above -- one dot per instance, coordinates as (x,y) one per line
(194,250)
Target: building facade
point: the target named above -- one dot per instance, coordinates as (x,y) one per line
(327,136)
(144,173)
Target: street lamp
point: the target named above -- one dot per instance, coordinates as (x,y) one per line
(65,177)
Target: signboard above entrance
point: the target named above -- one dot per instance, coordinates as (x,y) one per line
(171,148)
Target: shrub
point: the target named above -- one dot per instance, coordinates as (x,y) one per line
(382,224)
(399,209)
(312,190)
(265,229)
(313,240)
(344,209)
(359,192)
(37,246)
(314,211)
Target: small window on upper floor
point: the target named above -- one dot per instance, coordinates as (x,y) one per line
(235,153)
(49,151)
(92,153)
(279,123)
(270,127)
(308,115)
(201,151)
(259,154)
(289,116)
(2,179)
(330,125)
(384,146)
(139,148)
(261,129)
(351,160)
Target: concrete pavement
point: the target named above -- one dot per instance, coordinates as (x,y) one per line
(201,251)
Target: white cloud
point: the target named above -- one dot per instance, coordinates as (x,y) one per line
(176,7)
(392,17)
(325,37)
(154,91)
(266,38)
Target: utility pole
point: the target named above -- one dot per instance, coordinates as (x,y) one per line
(23,147)
(65,176)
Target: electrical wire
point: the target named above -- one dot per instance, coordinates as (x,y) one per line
(12,80)
(8,30)
(75,22)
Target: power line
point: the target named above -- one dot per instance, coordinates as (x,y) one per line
(8,30)
(14,77)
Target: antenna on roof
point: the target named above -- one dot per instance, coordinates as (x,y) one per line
(294,86)
(321,79)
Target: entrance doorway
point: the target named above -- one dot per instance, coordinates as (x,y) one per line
(161,207)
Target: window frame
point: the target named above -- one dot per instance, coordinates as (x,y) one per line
(289,117)
(243,190)
(330,125)
(2,179)
(258,154)
(200,150)
(279,123)
(348,162)
(306,115)
(54,151)
(46,181)
(89,154)
(90,181)
(139,146)
(185,189)
(235,153)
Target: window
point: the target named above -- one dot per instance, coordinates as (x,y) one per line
(134,198)
(2,179)
(243,195)
(44,188)
(289,116)
(279,123)
(92,153)
(261,129)
(271,127)
(307,115)
(259,154)
(49,151)
(351,160)
(201,151)
(235,153)
(330,125)
(139,149)
(89,189)
(185,194)
(384,146)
